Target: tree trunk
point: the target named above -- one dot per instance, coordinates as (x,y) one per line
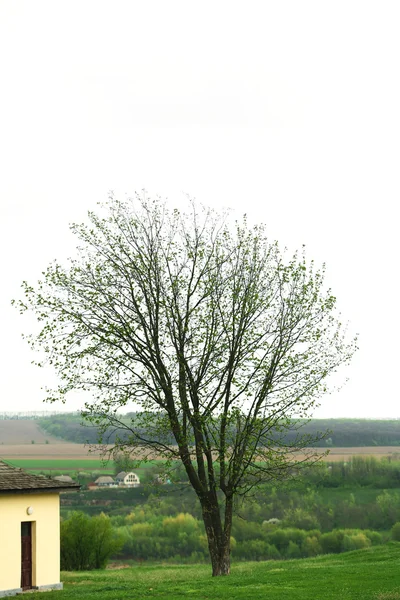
(218,537)
(221,559)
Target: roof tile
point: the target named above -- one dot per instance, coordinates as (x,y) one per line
(14,480)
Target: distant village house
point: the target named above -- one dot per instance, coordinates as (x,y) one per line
(123,479)
(105,481)
(127,479)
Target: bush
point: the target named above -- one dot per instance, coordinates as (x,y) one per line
(355,542)
(183,522)
(395,531)
(105,543)
(293,551)
(374,536)
(343,540)
(331,542)
(281,538)
(87,542)
(272,552)
(311,546)
(252,550)
(300,519)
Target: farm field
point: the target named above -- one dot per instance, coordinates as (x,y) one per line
(71,451)
(62,464)
(370,574)
(24,431)
(64,451)
(23,440)
(338,454)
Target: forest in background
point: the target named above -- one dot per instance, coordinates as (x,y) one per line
(335,432)
(332,508)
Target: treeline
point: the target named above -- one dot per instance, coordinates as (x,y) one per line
(88,542)
(181,538)
(358,471)
(363,493)
(69,427)
(334,508)
(302,509)
(333,432)
(353,432)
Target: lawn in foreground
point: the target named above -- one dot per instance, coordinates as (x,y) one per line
(371,574)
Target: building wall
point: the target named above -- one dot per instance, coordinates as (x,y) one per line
(131,480)
(45,538)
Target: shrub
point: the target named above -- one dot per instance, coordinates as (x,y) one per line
(251,550)
(331,542)
(141,529)
(355,542)
(300,519)
(395,531)
(374,536)
(87,542)
(105,543)
(75,543)
(183,522)
(343,540)
(311,546)
(282,537)
(272,552)
(293,551)
(248,530)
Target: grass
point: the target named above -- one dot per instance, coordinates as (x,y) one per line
(371,574)
(70,464)
(62,465)
(361,495)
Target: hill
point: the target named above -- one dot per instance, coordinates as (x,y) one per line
(338,432)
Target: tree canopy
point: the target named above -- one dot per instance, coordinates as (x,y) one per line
(207,329)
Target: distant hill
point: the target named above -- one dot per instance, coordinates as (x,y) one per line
(354,432)
(341,433)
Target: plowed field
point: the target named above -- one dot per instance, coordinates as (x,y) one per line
(49,451)
(16,437)
(24,431)
(71,451)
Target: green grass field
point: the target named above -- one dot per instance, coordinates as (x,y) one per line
(361,495)
(71,466)
(371,574)
(90,464)
(63,465)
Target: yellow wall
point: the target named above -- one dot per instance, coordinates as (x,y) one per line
(45,538)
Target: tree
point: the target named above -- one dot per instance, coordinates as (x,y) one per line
(123,462)
(87,542)
(220,342)
(76,543)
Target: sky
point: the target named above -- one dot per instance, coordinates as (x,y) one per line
(287,111)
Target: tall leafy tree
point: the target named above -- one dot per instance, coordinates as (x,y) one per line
(219,340)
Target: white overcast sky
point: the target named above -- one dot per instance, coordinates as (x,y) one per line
(286,110)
